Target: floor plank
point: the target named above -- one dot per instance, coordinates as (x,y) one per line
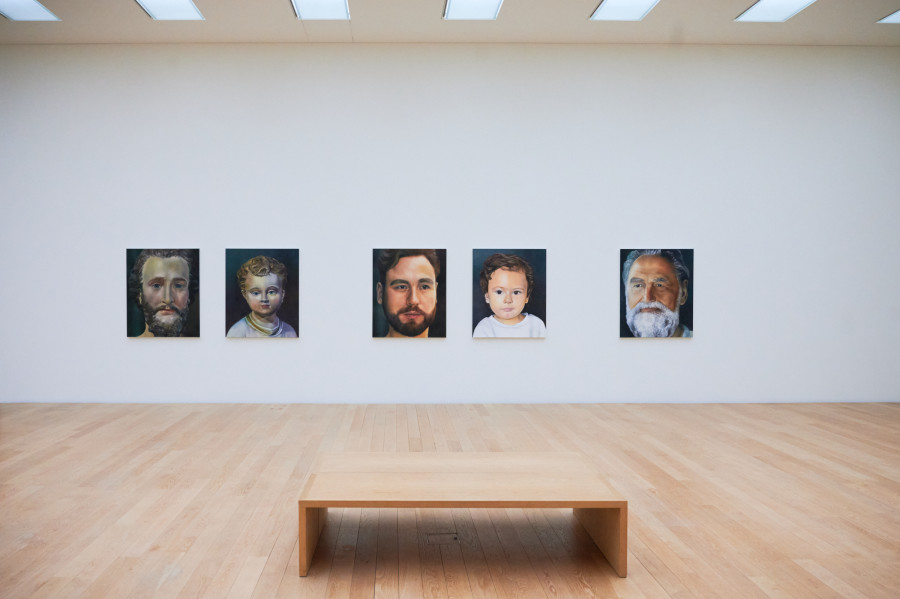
(744,500)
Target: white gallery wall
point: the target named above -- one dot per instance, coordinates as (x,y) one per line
(777,165)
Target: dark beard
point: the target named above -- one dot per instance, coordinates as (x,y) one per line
(409,329)
(164,330)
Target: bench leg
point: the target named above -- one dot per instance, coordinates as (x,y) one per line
(312,521)
(609,529)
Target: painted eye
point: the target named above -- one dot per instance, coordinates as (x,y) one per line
(400,287)
(424,287)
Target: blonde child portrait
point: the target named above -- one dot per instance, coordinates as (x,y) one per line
(262,280)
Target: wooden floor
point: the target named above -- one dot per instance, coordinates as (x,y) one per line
(201,501)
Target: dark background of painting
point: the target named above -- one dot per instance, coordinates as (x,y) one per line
(537,303)
(236,306)
(439,327)
(136,317)
(686,316)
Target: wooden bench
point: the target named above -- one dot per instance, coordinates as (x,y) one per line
(469,480)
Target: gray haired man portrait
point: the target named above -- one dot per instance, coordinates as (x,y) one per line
(656,292)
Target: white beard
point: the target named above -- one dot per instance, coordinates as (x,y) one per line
(651,324)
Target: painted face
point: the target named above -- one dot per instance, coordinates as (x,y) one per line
(507,294)
(653,279)
(165,295)
(263,294)
(409,296)
(654,297)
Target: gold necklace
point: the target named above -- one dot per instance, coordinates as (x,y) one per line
(260,328)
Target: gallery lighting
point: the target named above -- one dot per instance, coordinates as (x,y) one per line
(322,10)
(763,11)
(773,11)
(623,10)
(894,18)
(472,10)
(25,10)
(171,10)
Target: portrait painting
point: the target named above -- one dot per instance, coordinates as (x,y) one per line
(656,293)
(409,293)
(262,293)
(509,293)
(163,289)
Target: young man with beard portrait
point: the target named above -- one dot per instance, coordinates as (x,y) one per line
(164,285)
(656,300)
(409,293)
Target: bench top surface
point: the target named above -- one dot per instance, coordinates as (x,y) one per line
(467,479)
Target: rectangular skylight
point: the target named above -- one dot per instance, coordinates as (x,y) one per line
(894,18)
(171,10)
(322,10)
(472,10)
(25,10)
(773,11)
(623,10)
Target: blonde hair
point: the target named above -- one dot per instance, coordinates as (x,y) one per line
(261,266)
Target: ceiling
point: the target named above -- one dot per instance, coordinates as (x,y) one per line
(826,22)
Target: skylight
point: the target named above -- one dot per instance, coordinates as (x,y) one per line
(894,18)
(25,10)
(773,11)
(472,10)
(322,10)
(171,10)
(623,10)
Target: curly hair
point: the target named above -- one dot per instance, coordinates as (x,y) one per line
(135,278)
(388,259)
(509,262)
(261,266)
